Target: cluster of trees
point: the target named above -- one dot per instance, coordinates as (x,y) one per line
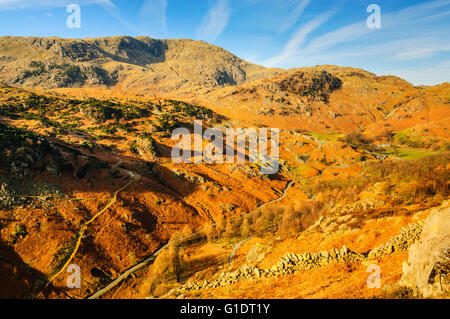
(12,138)
(145,144)
(321,85)
(101,111)
(281,220)
(199,112)
(170,264)
(359,140)
(423,180)
(409,139)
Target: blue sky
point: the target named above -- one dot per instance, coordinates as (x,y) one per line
(413,41)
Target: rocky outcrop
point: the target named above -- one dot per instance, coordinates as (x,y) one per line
(20,150)
(187,176)
(316,85)
(146,146)
(427,270)
(248,171)
(364,204)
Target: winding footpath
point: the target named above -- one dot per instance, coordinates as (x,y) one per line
(126,273)
(152,258)
(83,229)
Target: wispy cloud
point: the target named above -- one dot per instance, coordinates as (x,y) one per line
(293,17)
(114,12)
(356,34)
(22,4)
(105,2)
(215,21)
(419,51)
(395,50)
(357,30)
(153,17)
(299,37)
(108,5)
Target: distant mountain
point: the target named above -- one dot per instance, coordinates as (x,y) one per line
(363,158)
(322,98)
(330,98)
(147,64)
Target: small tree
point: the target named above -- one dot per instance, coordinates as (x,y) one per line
(220,226)
(169,263)
(290,222)
(210,231)
(246,229)
(396,149)
(231,230)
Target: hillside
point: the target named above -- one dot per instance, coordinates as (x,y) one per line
(331,99)
(142,63)
(326,99)
(87,178)
(63,157)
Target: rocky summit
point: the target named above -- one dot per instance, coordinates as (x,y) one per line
(139,63)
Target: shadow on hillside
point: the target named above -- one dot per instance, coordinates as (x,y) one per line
(201,264)
(137,52)
(17,279)
(105,170)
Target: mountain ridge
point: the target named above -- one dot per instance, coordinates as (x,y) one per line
(166,65)
(322,98)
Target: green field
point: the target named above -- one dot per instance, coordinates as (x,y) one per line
(329,137)
(408,154)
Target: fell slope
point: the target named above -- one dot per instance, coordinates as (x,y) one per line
(330,99)
(62,158)
(151,65)
(325,99)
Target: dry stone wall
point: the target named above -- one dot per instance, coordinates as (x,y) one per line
(292,263)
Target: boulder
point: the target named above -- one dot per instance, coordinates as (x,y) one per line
(427,269)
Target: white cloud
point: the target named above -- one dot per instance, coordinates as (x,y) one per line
(298,38)
(396,50)
(23,4)
(419,52)
(105,2)
(341,35)
(215,21)
(153,18)
(400,49)
(359,29)
(114,12)
(293,17)
(108,5)
(436,16)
